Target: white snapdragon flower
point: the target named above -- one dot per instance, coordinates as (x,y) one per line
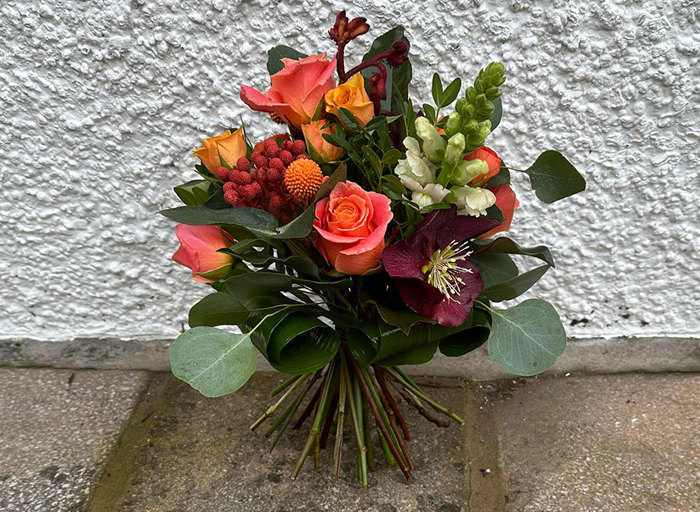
(473,200)
(425,195)
(414,169)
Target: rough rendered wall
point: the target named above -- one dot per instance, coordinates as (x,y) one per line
(102,102)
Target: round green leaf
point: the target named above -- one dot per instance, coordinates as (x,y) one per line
(553,177)
(526,339)
(217,309)
(213,361)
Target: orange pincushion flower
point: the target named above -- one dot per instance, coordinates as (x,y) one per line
(303,178)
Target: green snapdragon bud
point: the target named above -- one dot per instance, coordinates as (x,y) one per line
(467,170)
(433,143)
(454,124)
(453,155)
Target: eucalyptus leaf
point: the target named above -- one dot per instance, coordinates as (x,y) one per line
(526,339)
(553,177)
(213,361)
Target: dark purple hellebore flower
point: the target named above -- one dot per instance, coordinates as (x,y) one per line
(431,269)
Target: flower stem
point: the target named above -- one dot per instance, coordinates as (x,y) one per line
(295,405)
(378,417)
(341,417)
(284,385)
(315,429)
(405,380)
(355,416)
(279,402)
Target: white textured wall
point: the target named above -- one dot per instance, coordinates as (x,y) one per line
(102,102)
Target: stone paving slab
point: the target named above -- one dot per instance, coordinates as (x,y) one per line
(57,427)
(199,455)
(596,444)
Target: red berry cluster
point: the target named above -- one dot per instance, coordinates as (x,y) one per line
(259,182)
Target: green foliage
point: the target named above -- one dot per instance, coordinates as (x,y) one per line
(478,327)
(553,177)
(212,361)
(254,220)
(195,192)
(515,286)
(276,54)
(526,339)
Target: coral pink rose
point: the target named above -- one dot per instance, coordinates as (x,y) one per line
(198,251)
(295,91)
(507,203)
(351,225)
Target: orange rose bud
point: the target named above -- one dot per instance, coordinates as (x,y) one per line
(227,146)
(318,148)
(352,96)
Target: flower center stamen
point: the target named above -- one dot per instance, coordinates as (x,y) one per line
(443,270)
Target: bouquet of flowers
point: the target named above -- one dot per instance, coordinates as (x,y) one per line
(359,240)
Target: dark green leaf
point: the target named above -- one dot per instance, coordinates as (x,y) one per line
(494,213)
(392,187)
(301,344)
(497,114)
(391,157)
(475,335)
(429,112)
(257,221)
(216,201)
(377,123)
(212,361)
(373,159)
(375,341)
(403,319)
(218,309)
(340,284)
(494,268)
(515,286)
(349,120)
(338,176)
(195,192)
(504,245)
(553,177)
(451,92)
(437,89)
(526,339)
(276,54)
(299,227)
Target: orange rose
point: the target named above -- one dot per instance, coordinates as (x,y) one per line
(316,146)
(198,251)
(507,203)
(295,91)
(227,146)
(351,225)
(352,96)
